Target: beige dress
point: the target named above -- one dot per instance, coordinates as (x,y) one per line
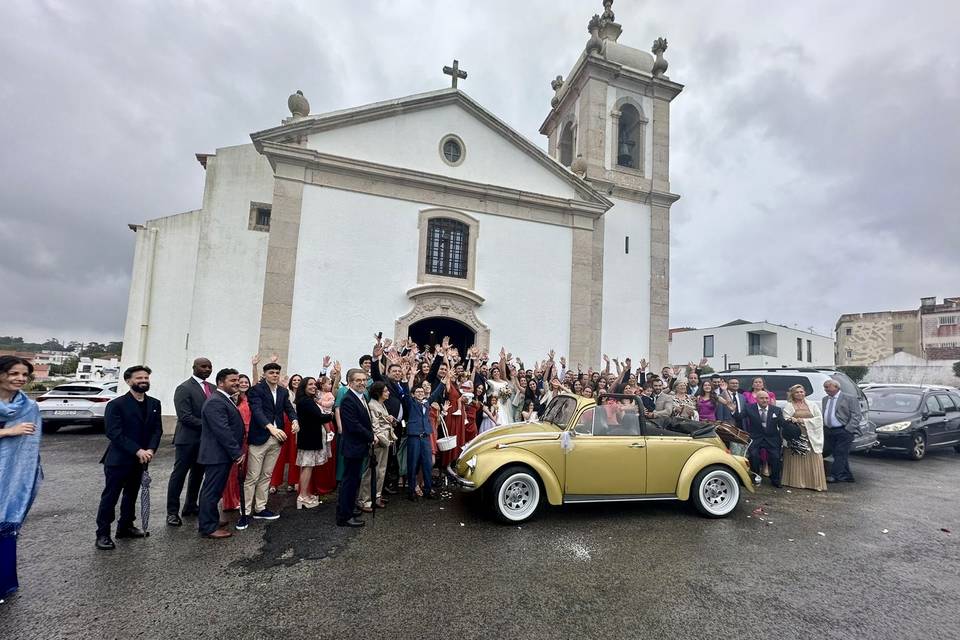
(805,472)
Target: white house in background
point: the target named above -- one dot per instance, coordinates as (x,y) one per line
(742,345)
(97,369)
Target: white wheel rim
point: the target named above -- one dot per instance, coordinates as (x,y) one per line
(719,492)
(918,446)
(518,497)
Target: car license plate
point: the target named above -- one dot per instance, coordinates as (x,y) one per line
(61,412)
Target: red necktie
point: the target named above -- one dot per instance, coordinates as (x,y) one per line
(206,389)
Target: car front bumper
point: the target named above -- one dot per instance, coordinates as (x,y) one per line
(865,442)
(898,440)
(466,485)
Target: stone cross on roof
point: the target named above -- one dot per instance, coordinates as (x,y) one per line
(455,72)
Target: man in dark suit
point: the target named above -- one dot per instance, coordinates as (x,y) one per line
(221,445)
(134,429)
(395,405)
(765,423)
(738,402)
(188,401)
(269,401)
(841,420)
(356,438)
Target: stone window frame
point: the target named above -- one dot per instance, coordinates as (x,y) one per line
(255,208)
(473,230)
(641,167)
(459,141)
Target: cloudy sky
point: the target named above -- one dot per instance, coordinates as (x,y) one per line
(816,144)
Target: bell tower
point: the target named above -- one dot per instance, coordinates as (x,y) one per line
(609,123)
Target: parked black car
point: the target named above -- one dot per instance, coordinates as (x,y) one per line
(915,418)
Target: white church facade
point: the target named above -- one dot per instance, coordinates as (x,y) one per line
(424,216)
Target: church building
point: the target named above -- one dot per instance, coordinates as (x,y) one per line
(424,216)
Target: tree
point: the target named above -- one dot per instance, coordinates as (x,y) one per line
(706,369)
(956,369)
(855,373)
(69,367)
(52,344)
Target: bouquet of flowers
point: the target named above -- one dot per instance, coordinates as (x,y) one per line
(506,392)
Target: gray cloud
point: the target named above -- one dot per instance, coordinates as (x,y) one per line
(814,146)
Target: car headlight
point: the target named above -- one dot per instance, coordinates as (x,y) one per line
(896,426)
(472,464)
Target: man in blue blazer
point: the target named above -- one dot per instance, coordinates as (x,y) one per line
(764,422)
(269,401)
(419,449)
(133,427)
(355,441)
(221,445)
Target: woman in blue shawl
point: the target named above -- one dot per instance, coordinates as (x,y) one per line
(19,462)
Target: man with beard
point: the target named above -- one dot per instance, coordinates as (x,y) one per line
(133,427)
(188,402)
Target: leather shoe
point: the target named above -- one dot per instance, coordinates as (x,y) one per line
(104,543)
(130,532)
(217,535)
(431,496)
(352,522)
(849,480)
(190,513)
(390,490)
(357,513)
(831,479)
(366,509)
(173,520)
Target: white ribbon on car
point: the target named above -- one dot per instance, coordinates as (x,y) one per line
(566,442)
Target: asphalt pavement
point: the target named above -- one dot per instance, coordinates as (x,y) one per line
(875,559)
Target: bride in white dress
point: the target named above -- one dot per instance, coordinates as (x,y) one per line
(503,392)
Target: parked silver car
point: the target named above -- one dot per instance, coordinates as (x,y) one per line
(81,402)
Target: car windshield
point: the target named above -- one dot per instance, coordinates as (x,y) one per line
(559,411)
(894,400)
(76,390)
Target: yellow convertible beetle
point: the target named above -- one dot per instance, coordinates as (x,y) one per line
(603,450)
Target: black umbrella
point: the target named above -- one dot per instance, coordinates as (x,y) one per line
(145,499)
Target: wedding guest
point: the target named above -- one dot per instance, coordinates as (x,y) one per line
(684,405)
(323,478)
(133,426)
(759,385)
(313,449)
(420,433)
(231,493)
(221,447)
(20,473)
(707,402)
(357,436)
(764,422)
(188,402)
(804,471)
(287,460)
(269,403)
(384,436)
(490,419)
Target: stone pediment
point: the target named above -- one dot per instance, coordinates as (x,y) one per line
(310,132)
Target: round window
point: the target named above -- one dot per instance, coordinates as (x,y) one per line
(451,150)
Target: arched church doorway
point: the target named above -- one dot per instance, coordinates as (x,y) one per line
(431,331)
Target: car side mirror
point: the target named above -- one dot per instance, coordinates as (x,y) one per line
(924,414)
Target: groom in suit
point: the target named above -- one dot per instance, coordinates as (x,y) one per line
(221,444)
(841,420)
(356,438)
(765,422)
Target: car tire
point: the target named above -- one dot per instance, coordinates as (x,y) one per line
(918,446)
(51,427)
(715,492)
(515,494)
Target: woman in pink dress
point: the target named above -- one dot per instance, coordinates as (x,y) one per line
(324,477)
(758,385)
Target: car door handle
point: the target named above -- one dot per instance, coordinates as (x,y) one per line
(637,445)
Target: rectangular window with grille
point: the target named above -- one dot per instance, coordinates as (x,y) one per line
(707,346)
(809,350)
(447,246)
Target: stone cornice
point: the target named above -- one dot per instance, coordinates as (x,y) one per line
(594,65)
(418,186)
(445,290)
(299,128)
(644,195)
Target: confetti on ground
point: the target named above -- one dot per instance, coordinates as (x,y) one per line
(885,531)
(821,533)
